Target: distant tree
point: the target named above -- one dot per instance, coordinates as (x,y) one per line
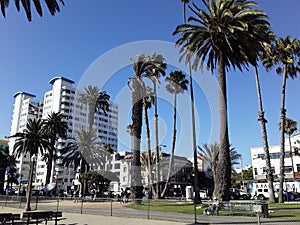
(98,181)
(290,127)
(52,5)
(283,54)
(96,101)
(176,84)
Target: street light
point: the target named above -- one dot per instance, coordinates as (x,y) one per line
(20,186)
(29,184)
(158,149)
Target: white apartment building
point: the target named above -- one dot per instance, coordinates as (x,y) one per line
(26,107)
(62,97)
(259,162)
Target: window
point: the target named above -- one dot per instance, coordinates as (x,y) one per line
(125,169)
(298,167)
(255,171)
(288,169)
(117,166)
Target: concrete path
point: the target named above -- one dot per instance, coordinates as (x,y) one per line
(127,216)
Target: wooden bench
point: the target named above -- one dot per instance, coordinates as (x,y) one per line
(57,216)
(37,217)
(9,218)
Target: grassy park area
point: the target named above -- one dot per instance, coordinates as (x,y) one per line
(287,211)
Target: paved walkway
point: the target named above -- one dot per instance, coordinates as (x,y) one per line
(127,216)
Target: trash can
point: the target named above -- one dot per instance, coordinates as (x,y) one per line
(262,208)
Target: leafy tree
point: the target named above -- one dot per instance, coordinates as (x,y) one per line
(227,34)
(283,54)
(52,5)
(57,128)
(95,100)
(33,140)
(176,83)
(98,181)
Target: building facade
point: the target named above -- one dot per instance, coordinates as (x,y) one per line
(63,98)
(291,160)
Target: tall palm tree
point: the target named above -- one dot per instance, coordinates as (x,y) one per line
(176,84)
(148,101)
(33,140)
(143,65)
(52,6)
(194,141)
(227,34)
(290,127)
(57,128)
(284,55)
(95,100)
(154,75)
(262,120)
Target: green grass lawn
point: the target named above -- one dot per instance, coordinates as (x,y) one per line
(283,211)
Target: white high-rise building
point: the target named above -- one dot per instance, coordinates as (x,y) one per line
(26,107)
(62,97)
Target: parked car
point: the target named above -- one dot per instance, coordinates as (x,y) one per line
(239,194)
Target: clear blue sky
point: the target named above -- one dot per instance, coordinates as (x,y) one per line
(67,44)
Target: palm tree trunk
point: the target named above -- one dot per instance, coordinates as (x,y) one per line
(150,182)
(282,140)
(171,162)
(50,162)
(263,121)
(223,177)
(156,141)
(291,155)
(29,186)
(137,111)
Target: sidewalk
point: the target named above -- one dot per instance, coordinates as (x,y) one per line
(168,219)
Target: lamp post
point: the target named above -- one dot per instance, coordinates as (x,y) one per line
(158,150)
(20,186)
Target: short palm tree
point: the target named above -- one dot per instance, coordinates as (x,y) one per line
(96,101)
(210,156)
(290,127)
(284,55)
(33,140)
(176,84)
(227,34)
(52,5)
(4,154)
(57,128)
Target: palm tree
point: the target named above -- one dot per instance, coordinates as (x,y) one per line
(290,127)
(96,101)
(211,156)
(227,34)
(52,5)
(33,140)
(148,101)
(262,120)
(86,152)
(176,84)
(154,74)
(143,65)
(284,55)
(196,172)
(4,153)
(57,128)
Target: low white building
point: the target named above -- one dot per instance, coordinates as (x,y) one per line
(291,160)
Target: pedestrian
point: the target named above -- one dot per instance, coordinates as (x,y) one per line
(215,206)
(122,196)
